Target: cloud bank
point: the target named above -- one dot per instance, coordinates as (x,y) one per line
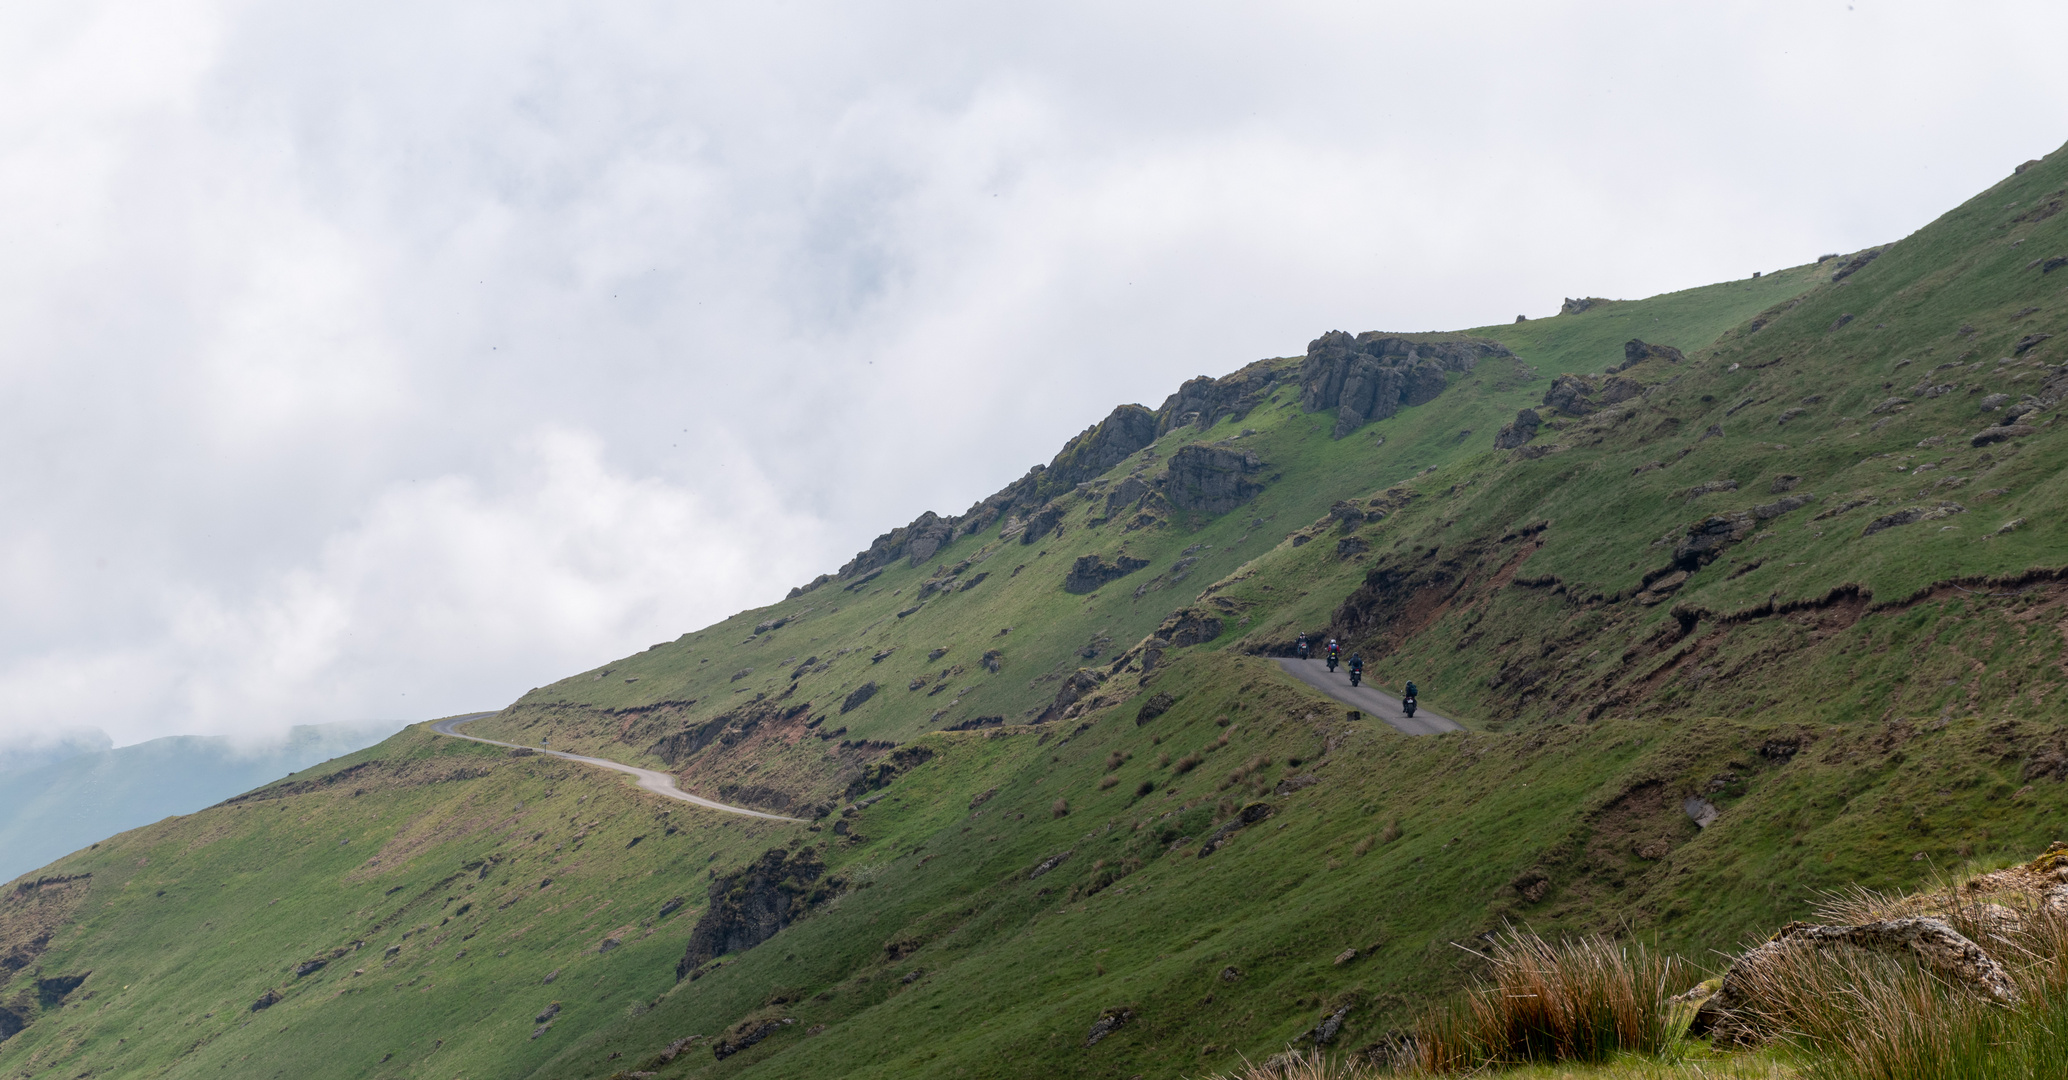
(384,360)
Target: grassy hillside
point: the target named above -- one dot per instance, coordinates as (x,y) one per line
(1080,801)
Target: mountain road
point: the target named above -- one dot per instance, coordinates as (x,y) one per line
(1368,698)
(659,783)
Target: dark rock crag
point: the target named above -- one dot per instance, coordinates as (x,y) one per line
(1521,430)
(1211,479)
(1373,376)
(752,904)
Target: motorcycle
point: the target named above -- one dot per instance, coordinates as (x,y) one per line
(1331,663)
(1408,706)
(1356,676)
(1303,650)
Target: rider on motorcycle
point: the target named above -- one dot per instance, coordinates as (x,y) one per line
(1334,653)
(1302,646)
(1356,668)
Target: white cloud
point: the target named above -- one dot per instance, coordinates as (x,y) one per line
(350,352)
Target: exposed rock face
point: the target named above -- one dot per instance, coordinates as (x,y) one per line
(1204,401)
(1128,494)
(1372,376)
(1616,391)
(879,776)
(1521,430)
(1570,395)
(1092,571)
(1855,264)
(1211,479)
(1042,523)
(751,904)
(1098,448)
(1074,688)
(725,729)
(1706,539)
(1575,306)
(855,699)
(1636,352)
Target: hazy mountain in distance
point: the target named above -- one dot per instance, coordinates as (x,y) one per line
(73,792)
(51,749)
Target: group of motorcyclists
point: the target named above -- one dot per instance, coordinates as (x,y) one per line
(1335,654)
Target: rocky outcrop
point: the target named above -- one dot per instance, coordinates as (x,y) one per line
(750,905)
(1570,395)
(1098,448)
(1211,479)
(1519,431)
(1205,401)
(1373,376)
(1573,306)
(1706,539)
(879,776)
(1636,352)
(1855,264)
(1090,572)
(1074,689)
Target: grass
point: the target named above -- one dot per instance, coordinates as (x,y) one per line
(1586,1000)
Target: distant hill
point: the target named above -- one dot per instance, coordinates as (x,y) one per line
(52,806)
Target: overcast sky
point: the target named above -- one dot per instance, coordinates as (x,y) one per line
(384,360)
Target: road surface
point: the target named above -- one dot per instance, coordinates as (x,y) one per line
(1369,698)
(659,783)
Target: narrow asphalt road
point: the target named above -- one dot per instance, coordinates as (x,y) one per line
(1369,698)
(659,783)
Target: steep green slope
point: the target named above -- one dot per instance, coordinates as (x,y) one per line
(1142,827)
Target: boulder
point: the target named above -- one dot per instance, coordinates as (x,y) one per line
(1570,395)
(1994,402)
(2001,433)
(1636,352)
(1521,430)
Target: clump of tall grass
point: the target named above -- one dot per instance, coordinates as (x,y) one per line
(1584,1000)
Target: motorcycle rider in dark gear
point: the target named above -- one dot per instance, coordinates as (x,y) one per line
(1408,702)
(1302,646)
(1356,669)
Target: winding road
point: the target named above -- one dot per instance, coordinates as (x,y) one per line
(659,783)
(1369,698)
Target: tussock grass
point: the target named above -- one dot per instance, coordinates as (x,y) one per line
(1857,1016)
(1585,1000)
